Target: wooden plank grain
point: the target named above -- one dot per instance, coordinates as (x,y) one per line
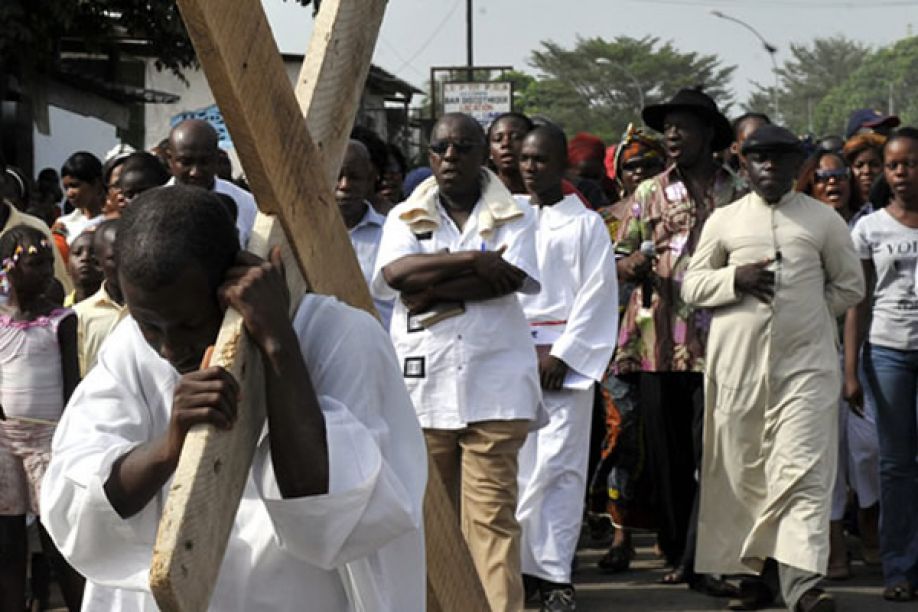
(334,74)
(283,166)
(292,174)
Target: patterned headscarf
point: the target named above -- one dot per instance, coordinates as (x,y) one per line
(637,143)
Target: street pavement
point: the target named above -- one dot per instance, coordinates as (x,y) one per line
(638,589)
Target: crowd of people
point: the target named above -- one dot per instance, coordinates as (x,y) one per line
(707,330)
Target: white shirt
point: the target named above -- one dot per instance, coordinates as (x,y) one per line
(479,365)
(246,208)
(365,237)
(579,285)
(76,222)
(358,547)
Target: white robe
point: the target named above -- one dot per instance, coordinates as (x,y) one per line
(771,382)
(358,547)
(579,298)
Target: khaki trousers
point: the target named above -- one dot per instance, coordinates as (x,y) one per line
(479,468)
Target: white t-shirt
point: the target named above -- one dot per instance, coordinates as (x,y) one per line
(893,248)
(75,223)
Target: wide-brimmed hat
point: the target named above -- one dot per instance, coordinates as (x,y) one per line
(697,102)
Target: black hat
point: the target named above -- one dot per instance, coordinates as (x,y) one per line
(772,138)
(697,102)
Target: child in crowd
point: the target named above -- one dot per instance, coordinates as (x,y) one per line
(102,311)
(38,373)
(83,268)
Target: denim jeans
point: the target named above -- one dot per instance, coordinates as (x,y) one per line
(893,376)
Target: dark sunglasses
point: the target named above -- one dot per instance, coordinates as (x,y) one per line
(824,176)
(440,147)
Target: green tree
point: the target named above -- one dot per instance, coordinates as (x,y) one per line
(887,78)
(811,73)
(35,31)
(600,86)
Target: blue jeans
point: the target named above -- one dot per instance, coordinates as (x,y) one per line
(893,377)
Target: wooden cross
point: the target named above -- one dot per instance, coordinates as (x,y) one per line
(291,146)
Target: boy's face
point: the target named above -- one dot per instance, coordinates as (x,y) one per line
(132,184)
(82,264)
(541,165)
(179,321)
(105,254)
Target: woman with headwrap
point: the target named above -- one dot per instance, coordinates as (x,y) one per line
(616,482)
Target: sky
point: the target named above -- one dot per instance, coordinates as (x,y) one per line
(418,34)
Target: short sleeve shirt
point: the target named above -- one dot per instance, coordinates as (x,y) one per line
(479,365)
(893,249)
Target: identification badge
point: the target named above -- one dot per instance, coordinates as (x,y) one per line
(414,367)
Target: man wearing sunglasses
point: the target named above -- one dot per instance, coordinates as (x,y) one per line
(455,254)
(775,268)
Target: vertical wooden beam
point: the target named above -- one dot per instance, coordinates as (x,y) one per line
(292,175)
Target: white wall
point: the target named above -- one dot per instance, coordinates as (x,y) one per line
(70,133)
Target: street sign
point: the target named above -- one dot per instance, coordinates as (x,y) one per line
(483,101)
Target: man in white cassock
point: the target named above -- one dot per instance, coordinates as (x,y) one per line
(574,324)
(331,514)
(776,268)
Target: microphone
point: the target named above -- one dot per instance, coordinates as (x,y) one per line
(648,250)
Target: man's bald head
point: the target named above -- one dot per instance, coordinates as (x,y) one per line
(465,123)
(193,153)
(196,131)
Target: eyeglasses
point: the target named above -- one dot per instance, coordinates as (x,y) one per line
(824,176)
(440,147)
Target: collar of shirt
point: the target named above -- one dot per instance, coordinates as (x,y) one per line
(370,217)
(560,214)
(787,197)
(720,193)
(103,298)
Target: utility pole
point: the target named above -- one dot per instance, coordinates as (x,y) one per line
(468,38)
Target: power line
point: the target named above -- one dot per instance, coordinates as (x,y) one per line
(433,35)
(399,57)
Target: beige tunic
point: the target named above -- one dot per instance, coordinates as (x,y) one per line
(771,382)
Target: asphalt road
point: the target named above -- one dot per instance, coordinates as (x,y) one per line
(637,589)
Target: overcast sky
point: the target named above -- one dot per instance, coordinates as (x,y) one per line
(417,34)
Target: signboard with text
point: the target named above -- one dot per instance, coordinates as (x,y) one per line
(484,101)
(212,115)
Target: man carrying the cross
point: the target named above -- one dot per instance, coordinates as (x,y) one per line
(330,516)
